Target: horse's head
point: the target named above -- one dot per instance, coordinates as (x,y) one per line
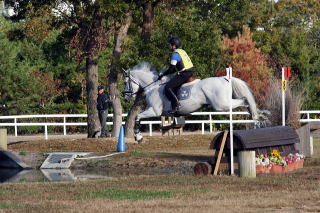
(140,77)
(131,86)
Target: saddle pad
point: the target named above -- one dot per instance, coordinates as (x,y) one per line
(184,92)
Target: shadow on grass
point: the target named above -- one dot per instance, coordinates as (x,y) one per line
(170,155)
(124,194)
(185,157)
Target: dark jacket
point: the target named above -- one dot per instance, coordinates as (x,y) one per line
(102,101)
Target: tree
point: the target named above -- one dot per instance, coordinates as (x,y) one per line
(228,15)
(115,72)
(284,14)
(248,63)
(90,24)
(146,32)
(23,88)
(288,37)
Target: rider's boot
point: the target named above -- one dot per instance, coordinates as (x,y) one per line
(174,103)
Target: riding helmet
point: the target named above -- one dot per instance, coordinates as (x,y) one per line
(174,40)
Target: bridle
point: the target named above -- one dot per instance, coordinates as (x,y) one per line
(131,79)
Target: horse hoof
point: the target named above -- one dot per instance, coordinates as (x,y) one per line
(138,137)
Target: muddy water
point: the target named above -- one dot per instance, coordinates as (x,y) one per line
(44,175)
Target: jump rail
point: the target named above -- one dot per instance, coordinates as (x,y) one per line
(64,123)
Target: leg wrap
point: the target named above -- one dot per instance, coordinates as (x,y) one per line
(137,125)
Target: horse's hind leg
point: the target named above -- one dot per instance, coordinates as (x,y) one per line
(238,103)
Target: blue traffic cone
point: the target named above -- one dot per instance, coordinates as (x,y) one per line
(121,147)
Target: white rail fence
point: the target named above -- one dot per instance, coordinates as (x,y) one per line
(17,120)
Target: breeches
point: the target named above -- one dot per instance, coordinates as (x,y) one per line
(175,83)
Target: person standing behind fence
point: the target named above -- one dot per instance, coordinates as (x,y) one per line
(102,107)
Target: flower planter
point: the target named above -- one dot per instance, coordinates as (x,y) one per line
(262,169)
(279,168)
(299,164)
(276,162)
(276,169)
(290,167)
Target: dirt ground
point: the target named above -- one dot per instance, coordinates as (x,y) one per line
(157,152)
(156,176)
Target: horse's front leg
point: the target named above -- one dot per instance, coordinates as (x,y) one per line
(146,114)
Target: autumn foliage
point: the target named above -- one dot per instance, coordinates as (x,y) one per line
(248,63)
(50,88)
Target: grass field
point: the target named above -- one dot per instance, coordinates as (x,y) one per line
(296,191)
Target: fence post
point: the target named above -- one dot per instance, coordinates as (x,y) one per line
(46,132)
(15,127)
(3,139)
(210,118)
(202,127)
(64,126)
(247,164)
(150,129)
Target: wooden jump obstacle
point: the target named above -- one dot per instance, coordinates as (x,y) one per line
(8,160)
(172,125)
(261,141)
(306,134)
(315,128)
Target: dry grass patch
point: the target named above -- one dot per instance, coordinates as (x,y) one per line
(167,194)
(296,191)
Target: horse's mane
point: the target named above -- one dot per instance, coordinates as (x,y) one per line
(145,67)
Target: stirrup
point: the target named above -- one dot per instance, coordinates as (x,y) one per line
(168,113)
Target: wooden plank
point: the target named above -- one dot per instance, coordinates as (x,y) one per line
(315,133)
(314,125)
(305,146)
(223,142)
(3,139)
(166,122)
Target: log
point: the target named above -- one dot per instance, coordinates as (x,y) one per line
(247,164)
(3,139)
(203,168)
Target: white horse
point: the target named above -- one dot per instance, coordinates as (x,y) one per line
(212,91)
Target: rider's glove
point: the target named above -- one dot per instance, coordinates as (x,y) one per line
(159,78)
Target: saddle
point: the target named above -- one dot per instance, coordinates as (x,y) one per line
(184,87)
(192,78)
(182,93)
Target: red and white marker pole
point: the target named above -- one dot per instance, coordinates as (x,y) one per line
(286,73)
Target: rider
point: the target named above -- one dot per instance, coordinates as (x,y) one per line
(181,63)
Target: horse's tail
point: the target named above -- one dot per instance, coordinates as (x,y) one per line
(240,89)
